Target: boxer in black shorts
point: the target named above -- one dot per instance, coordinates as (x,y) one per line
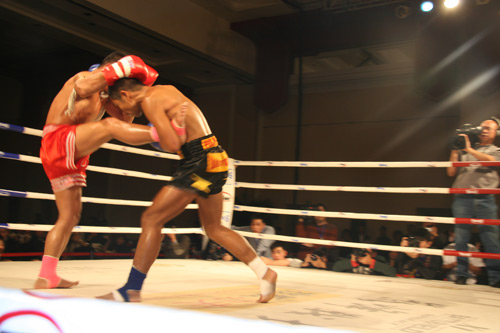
(180,126)
(203,166)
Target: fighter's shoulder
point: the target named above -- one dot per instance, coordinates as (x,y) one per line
(77,76)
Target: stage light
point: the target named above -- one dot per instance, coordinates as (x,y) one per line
(427,6)
(451,3)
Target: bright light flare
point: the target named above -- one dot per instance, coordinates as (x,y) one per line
(427,6)
(451,3)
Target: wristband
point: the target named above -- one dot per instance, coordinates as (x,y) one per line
(154,134)
(179,130)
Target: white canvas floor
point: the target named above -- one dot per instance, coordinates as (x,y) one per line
(338,301)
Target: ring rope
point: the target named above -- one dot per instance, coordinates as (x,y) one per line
(112,171)
(366,164)
(345,215)
(30,131)
(47,196)
(420,190)
(132,230)
(110,146)
(385,217)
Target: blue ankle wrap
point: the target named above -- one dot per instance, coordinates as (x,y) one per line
(135,281)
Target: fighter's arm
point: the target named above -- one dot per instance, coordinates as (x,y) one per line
(155,108)
(89,83)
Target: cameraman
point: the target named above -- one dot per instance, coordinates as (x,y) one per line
(477,206)
(364,261)
(415,265)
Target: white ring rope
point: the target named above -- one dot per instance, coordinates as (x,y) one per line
(365,164)
(47,196)
(112,171)
(404,218)
(377,247)
(419,190)
(110,146)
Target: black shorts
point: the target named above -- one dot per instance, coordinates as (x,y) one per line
(203,167)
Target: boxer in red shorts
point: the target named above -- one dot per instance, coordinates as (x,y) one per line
(73,130)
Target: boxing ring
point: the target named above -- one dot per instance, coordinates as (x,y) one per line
(220,296)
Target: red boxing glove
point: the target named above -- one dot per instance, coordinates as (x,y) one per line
(151,76)
(132,67)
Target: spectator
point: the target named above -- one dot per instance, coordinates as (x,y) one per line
(2,250)
(317,227)
(119,244)
(359,234)
(318,259)
(345,236)
(383,239)
(97,241)
(413,264)
(477,206)
(176,246)
(279,257)
(214,251)
(476,266)
(258,225)
(437,242)
(364,261)
(10,242)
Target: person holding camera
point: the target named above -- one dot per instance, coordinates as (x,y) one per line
(318,259)
(477,206)
(415,265)
(364,261)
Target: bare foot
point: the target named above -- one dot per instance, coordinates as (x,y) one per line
(268,286)
(133,296)
(42,283)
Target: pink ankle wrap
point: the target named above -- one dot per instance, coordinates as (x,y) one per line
(179,130)
(48,270)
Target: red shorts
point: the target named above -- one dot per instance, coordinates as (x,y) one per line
(58,157)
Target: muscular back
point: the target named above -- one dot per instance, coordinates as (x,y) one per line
(172,99)
(69,108)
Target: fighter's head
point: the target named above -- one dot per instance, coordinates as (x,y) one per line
(124,94)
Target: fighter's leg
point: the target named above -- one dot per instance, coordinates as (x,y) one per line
(90,136)
(167,204)
(69,207)
(210,212)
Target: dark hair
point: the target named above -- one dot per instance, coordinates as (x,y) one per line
(123,84)
(279,244)
(422,234)
(112,57)
(258,217)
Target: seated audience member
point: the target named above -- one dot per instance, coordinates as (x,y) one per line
(176,246)
(476,267)
(279,257)
(437,242)
(413,264)
(364,261)
(345,236)
(214,251)
(318,259)
(119,244)
(383,239)
(317,227)
(258,225)
(2,250)
(97,241)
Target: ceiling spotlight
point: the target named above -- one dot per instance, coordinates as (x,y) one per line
(426,6)
(451,3)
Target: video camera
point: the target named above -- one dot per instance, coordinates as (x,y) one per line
(457,142)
